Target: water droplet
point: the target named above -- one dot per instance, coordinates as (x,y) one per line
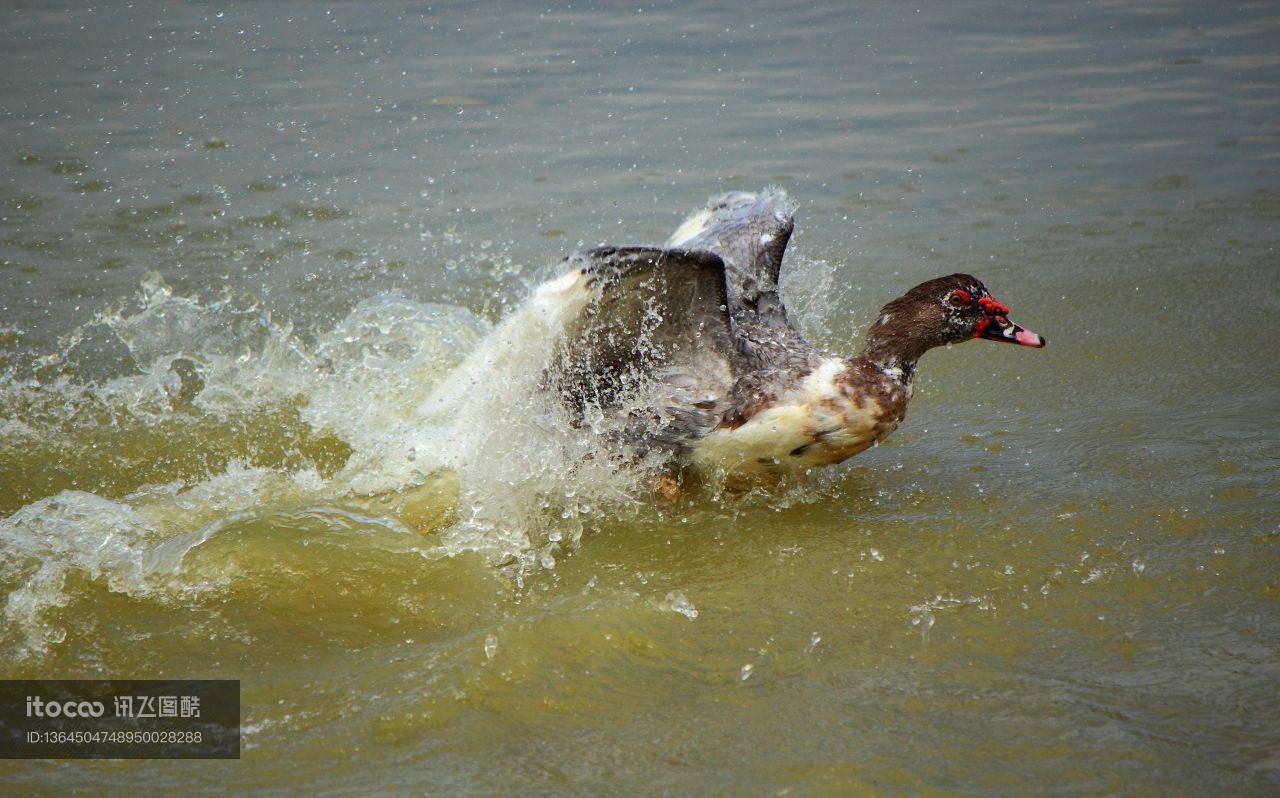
(676,602)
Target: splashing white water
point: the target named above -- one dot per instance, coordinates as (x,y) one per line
(433,433)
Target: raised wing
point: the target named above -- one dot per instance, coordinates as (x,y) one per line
(653,347)
(749,231)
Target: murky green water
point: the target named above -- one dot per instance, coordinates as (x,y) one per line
(243,249)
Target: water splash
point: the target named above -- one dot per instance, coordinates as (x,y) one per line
(170,420)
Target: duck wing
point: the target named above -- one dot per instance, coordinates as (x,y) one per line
(750,231)
(652,345)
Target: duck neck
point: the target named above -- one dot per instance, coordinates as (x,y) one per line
(892,352)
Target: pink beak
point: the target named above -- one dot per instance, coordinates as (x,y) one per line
(1001,329)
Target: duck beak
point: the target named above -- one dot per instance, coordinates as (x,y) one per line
(1000,328)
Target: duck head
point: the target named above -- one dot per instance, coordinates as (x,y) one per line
(946,310)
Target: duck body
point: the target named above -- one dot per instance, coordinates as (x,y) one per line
(830,414)
(689,345)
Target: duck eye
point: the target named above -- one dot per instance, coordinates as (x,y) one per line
(959,298)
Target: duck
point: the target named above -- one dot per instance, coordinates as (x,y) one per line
(686,352)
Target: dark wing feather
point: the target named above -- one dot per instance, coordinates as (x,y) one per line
(653,346)
(750,231)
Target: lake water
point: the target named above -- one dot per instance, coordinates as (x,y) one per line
(245,249)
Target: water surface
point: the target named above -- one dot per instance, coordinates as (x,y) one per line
(253,258)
